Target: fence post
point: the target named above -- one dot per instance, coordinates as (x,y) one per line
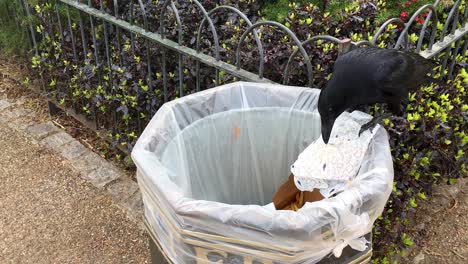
(344,46)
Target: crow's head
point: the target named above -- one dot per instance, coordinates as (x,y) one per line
(330,106)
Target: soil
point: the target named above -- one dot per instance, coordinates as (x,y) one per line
(442,227)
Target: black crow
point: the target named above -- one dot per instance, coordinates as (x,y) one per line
(364,76)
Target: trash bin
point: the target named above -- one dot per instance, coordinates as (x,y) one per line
(209,163)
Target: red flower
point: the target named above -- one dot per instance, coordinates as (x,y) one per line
(419,20)
(414,1)
(408,3)
(404,15)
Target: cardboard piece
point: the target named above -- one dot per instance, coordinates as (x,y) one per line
(288,197)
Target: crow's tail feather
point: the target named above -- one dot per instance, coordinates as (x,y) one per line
(426,67)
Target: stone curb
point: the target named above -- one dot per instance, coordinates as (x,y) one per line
(91,167)
(40,131)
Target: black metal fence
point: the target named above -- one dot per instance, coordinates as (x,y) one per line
(81,50)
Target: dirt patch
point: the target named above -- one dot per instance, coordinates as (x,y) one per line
(442,227)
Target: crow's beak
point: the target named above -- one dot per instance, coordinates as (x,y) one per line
(326,129)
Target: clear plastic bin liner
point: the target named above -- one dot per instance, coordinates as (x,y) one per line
(209,164)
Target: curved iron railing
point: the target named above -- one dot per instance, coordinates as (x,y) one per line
(452,20)
(454,32)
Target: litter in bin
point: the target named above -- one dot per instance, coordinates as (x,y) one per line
(289,197)
(332,167)
(323,170)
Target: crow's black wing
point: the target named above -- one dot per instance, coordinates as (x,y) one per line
(400,72)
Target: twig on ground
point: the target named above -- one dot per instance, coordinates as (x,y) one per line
(87,144)
(58,124)
(455,204)
(458,254)
(430,252)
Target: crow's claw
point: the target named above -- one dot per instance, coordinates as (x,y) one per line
(374,121)
(370,125)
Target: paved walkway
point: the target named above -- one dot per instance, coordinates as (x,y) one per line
(49,214)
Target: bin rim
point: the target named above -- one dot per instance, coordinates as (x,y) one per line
(380,131)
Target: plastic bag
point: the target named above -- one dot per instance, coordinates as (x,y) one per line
(209,163)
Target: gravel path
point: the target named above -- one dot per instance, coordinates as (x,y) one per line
(442,227)
(50,215)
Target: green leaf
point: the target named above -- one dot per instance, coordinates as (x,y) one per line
(408,241)
(413,38)
(424,161)
(422,195)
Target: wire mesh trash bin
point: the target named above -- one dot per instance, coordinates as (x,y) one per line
(209,163)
